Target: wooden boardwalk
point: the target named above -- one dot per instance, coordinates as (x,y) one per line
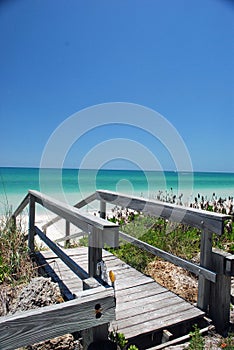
(143,307)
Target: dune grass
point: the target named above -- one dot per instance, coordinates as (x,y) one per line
(178,239)
(15,264)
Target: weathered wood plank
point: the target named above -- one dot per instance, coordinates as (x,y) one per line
(138,294)
(210,221)
(176,305)
(145,304)
(141,291)
(72,252)
(28,327)
(159,321)
(121,284)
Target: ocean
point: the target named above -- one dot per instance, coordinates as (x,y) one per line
(72,185)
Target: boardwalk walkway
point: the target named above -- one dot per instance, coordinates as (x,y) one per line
(143,308)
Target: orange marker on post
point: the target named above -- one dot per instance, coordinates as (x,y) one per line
(112,278)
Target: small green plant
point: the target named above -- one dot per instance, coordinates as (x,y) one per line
(121,341)
(133,347)
(84,241)
(197,342)
(118,338)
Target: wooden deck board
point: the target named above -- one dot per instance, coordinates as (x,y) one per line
(142,305)
(165,321)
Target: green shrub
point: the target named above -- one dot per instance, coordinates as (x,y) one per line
(177,239)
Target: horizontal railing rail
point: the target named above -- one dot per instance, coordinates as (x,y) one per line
(22,206)
(78,205)
(194,268)
(201,219)
(80,219)
(29,327)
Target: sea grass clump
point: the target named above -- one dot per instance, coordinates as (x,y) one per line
(15,264)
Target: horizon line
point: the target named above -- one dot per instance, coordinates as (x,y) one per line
(120,169)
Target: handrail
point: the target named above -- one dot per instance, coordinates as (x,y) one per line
(78,205)
(201,219)
(71,214)
(21,207)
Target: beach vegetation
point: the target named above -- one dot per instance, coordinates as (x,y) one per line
(15,264)
(178,239)
(227,343)
(197,342)
(118,338)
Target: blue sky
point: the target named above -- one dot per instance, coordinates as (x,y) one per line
(173,56)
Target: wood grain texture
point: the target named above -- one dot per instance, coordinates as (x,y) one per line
(141,303)
(28,327)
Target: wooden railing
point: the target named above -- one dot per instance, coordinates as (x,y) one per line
(216,267)
(25,328)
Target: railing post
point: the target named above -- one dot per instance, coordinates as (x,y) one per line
(98,333)
(205,261)
(94,251)
(31,224)
(67,232)
(95,256)
(220,297)
(102,209)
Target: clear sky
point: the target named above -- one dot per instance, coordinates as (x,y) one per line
(176,57)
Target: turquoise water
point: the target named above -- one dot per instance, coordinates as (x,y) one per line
(71,185)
